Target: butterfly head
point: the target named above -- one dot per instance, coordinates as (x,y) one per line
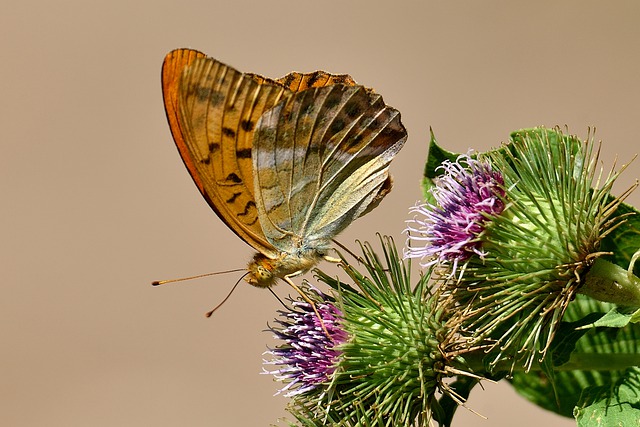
(265,271)
(261,272)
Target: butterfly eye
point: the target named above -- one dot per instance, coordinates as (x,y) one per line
(263,273)
(260,274)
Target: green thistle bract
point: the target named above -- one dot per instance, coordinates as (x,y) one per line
(393,362)
(537,251)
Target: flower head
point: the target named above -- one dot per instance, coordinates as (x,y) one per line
(390,369)
(308,356)
(532,238)
(467,195)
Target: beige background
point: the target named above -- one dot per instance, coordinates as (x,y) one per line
(96,202)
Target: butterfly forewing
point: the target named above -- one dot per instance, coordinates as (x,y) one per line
(320,159)
(174,64)
(217,109)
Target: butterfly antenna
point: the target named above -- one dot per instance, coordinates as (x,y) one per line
(162,282)
(209,313)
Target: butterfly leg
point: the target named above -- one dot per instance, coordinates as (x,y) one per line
(310,301)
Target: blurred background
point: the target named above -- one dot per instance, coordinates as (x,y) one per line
(96,203)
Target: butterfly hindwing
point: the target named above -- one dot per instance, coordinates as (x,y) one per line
(297,82)
(321,158)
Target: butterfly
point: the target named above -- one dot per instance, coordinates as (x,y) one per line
(287,164)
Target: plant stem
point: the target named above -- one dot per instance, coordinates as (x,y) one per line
(609,282)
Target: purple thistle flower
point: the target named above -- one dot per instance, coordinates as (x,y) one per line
(466,194)
(308,356)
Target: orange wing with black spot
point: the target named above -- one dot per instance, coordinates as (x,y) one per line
(297,82)
(174,63)
(212,110)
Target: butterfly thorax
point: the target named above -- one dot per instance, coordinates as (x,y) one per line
(265,271)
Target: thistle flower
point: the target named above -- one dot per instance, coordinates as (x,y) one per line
(467,194)
(532,239)
(308,356)
(393,360)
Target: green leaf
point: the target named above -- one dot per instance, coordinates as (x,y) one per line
(612,406)
(568,335)
(614,343)
(613,319)
(610,349)
(559,395)
(436,156)
(559,391)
